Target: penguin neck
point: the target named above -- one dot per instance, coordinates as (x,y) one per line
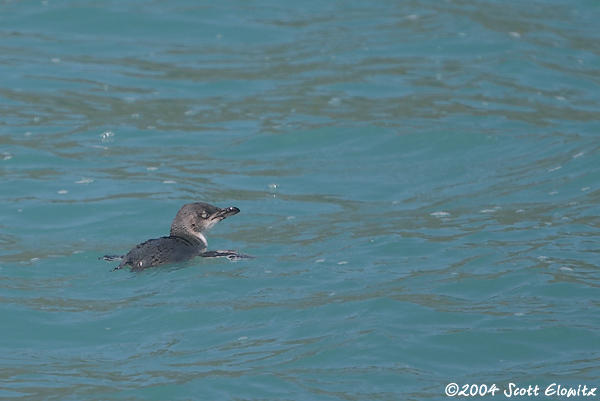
(191,235)
(202,238)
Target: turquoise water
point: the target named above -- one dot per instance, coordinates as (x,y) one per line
(419,183)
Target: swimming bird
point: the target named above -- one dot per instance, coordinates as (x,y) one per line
(185,241)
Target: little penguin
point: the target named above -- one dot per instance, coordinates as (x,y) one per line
(185,241)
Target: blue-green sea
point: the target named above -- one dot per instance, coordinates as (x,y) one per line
(419,182)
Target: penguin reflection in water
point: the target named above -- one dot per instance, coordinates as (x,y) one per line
(185,241)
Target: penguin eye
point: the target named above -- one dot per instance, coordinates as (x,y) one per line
(204,215)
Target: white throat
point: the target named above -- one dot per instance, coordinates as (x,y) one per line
(201,238)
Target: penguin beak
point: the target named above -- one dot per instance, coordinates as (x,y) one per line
(223,213)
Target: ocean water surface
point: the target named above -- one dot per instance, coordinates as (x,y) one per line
(418,181)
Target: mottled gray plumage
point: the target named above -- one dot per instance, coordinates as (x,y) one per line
(185,241)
